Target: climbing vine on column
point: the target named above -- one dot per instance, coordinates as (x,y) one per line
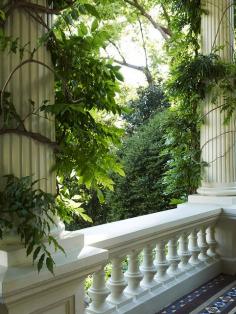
(85,90)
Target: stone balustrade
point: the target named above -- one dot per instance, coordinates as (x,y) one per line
(154,259)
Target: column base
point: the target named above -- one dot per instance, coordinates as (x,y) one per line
(212,199)
(218,190)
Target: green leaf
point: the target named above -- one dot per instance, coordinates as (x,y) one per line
(2,15)
(36,253)
(175,201)
(100,196)
(119,76)
(83,29)
(50,264)
(94,25)
(40,262)
(92,10)
(30,248)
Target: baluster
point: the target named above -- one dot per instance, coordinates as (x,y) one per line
(148,269)
(183,252)
(203,245)
(161,262)
(194,248)
(211,242)
(173,257)
(98,294)
(117,283)
(133,274)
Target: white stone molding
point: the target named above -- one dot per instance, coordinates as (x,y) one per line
(24,291)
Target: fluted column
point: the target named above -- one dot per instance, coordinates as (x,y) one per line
(218,140)
(30,86)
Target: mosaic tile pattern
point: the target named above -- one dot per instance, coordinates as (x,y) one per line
(222,304)
(197,297)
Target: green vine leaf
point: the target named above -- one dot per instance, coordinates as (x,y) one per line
(50,264)
(40,262)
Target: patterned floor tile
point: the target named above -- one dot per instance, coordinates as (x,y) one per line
(200,295)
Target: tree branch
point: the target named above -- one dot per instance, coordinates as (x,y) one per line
(163,30)
(129,65)
(35,136)
(40,63)
(216,137)
(40,8)
(119,51)
(147,72)
(167,18)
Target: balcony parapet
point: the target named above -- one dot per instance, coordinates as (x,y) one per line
(167,254)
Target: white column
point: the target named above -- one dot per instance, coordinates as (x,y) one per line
(133,275)
(203,245)
(117,283)
(161,262)
(21,155)
(98,294)
(211,240)
(147,268)
(173,257)
(194,248)
(183,251)
(30,86)
(218,140)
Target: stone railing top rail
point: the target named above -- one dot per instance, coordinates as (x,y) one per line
(134,231)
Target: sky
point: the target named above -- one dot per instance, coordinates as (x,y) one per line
(134,54)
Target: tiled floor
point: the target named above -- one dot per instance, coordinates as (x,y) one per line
(216,296)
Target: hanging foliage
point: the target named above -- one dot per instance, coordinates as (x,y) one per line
(86,86)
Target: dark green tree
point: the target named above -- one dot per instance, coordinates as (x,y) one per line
(141,191)
(150,100)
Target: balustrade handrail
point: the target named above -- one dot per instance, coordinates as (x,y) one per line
(161,251)
(124,234)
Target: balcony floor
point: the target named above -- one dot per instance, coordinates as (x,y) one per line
(216,296)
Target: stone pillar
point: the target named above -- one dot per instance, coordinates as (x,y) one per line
(30,86)
(218,140)
(23,290)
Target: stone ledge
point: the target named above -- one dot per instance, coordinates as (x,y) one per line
(23,285)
